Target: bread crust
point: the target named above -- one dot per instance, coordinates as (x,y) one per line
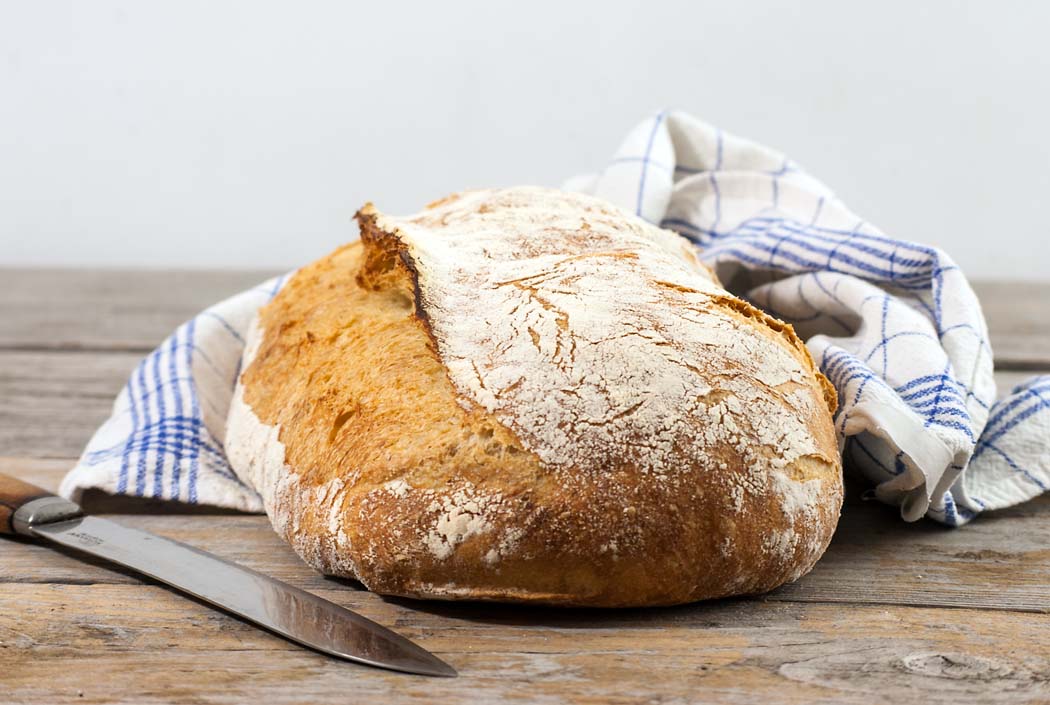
(382,456)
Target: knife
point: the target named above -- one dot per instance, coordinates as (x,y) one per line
(295,614)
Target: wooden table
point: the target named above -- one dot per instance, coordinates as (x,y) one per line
(894,612)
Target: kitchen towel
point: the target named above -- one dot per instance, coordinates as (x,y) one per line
(893,324)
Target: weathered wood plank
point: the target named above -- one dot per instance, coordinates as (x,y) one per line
(135,310)
(1007,380)
(108,310)
(1001,561)
(150,645)
(52,401)
(1018,322)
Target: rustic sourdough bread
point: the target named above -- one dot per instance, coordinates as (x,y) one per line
(529,395)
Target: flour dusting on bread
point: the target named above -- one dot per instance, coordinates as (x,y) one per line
(529,395)
(590,332)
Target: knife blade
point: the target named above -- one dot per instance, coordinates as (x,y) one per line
(283,609)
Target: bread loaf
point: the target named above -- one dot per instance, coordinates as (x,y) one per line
(528,395)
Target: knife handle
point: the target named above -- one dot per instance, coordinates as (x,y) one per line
(22,505)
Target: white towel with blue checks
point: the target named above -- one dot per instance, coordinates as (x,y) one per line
(893,324)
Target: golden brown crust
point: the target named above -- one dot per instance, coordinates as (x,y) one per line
(395,479)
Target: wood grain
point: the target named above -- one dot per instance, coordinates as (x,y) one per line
(15,492)
(58,309)
(1001,562)
(55,309)
(893,613)
(147,644)
(52,401)
(1018,322)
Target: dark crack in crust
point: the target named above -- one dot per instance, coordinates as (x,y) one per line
(787,331)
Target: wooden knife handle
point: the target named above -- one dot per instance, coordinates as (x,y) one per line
(16,494)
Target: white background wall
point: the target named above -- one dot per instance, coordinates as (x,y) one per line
(219,134)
